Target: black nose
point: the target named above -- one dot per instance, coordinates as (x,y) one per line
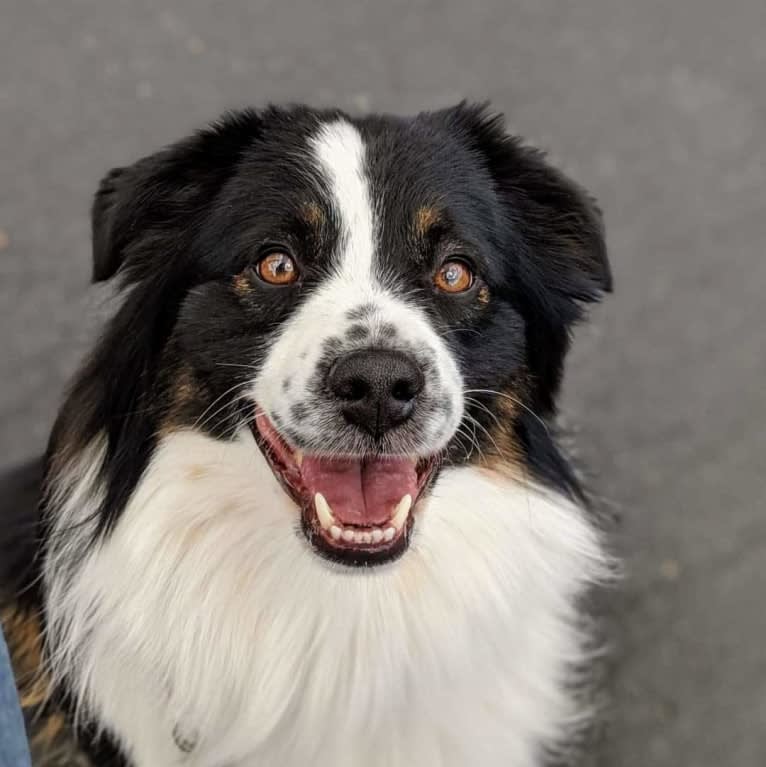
(377,388)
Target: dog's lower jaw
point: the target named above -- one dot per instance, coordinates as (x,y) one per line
(205,612)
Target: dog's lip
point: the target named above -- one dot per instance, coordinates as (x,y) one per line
(359,540)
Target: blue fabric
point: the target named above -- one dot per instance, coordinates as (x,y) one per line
(13,739)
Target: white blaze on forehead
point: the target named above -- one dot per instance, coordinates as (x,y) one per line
(299,346)
(340,155)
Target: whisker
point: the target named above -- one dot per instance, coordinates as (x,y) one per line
(515,400)
(459,330)
(459,434)
(489,435)
(474,443)
(477,403)
(197,423)
(231,403)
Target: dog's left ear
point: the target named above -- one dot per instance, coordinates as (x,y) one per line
(559,223)
(141,212)
(555,241)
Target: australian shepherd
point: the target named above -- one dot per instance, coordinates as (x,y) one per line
(304,502)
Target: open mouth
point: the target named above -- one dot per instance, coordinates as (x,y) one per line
(356,510)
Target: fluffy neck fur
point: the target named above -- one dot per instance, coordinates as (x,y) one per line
(203,619)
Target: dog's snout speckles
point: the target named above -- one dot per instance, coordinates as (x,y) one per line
(387,330)
(358,332)
(331,346)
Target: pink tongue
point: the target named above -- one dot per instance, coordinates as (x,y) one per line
(361,493)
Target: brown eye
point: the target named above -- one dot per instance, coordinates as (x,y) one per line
(454,277)
(277,269)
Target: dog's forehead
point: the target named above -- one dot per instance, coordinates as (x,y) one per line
(376,192)
(417,164)
(404,171)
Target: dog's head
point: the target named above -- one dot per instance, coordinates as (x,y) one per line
(369,297)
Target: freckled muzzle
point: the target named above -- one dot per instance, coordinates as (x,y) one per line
(357,404)
(355,509)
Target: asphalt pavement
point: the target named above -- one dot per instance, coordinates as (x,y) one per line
(658,107)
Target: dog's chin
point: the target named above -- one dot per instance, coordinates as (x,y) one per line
(357,510)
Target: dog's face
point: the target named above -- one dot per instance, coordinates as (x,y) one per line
(370,298)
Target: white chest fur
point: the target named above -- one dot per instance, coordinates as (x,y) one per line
(206,612)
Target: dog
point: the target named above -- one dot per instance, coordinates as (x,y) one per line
(304,502)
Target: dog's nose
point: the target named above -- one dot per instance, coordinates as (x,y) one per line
(376,387)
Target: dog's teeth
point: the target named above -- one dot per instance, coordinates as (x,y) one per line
(324,514)
(376,536)
(298,458)
(348,535)
(358,537)
(402,510)
(335,532)
(389,534)
(366,537)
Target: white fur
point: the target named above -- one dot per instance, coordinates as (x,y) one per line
(206,611)
(340,157)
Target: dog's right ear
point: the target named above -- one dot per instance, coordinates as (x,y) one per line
(106,259)
(140,211)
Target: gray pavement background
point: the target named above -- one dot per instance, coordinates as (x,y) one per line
(659,107)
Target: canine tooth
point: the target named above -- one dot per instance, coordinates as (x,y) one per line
(324,514)
(389,534)
(402,510)
(376,535)
(366,537)
(335,532)
(298,458)
(348,535)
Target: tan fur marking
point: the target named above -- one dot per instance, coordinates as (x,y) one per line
(502,453)
(505,447)
(23,633)
(185,389)
(313,215)
(184,393)
(51,740)
(50,732)
(484,295)
(242,285)
(425,218)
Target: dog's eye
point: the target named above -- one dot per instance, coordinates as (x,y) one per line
(277,269)
(454,276)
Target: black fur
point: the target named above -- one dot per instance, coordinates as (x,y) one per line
(178,225)
(180,230)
